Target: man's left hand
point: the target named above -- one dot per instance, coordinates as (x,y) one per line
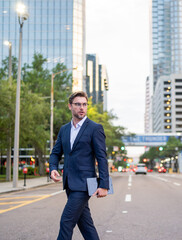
(100,192)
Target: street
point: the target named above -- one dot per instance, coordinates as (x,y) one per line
(142,208)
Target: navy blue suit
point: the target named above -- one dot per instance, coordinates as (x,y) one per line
(79,164)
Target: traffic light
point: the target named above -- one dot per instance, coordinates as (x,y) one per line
(122,148)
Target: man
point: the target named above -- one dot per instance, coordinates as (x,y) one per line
(81,141)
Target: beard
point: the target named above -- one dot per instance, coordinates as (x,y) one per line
(79,116)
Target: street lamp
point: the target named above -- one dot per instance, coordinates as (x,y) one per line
(52,103)
(22,16)
(8,162)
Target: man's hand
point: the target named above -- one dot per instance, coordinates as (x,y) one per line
(100,192)
(55,176)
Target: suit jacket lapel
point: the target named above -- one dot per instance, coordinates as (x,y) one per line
(68,131)
(80,133)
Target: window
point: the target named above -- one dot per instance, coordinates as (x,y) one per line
(178,80)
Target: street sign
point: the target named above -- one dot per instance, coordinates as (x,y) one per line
(151,140)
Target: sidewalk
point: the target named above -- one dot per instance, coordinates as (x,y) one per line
(6,187)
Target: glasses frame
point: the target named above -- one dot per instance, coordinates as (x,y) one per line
(80,104)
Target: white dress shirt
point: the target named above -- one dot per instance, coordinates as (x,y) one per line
(75,130)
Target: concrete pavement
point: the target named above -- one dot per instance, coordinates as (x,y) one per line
(6,187)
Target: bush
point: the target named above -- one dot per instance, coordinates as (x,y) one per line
(30,171)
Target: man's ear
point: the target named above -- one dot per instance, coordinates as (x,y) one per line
(69,106)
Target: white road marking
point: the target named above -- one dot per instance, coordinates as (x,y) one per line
(124,211)
(177,184)
(55,193)
(128,198)
(162,179)
(109,231)
(129,184)
(130,179)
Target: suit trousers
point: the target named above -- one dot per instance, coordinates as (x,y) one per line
(77,211)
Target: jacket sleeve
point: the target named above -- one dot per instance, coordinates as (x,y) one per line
(101,156)
(56,153)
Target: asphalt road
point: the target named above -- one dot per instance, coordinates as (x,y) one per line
(142,208)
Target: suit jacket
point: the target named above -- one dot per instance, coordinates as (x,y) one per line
(79,162)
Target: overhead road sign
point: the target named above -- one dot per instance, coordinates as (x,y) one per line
(149,140)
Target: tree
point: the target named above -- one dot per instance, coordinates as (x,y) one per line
(5,67)
(34,124)
(171,149)
(113,133)
(152,154)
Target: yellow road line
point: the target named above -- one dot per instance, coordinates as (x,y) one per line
(6,203)
(25,203)
(22,197)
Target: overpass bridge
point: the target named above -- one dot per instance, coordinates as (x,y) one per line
(149,140)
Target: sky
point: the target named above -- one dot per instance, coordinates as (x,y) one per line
(118,31)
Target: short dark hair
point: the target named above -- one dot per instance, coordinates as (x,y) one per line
(77,94)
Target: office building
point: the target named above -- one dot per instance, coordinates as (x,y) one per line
(96,80)
(147,106)
(166,64)
(55,28)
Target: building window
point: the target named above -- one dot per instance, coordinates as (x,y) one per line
(178,80)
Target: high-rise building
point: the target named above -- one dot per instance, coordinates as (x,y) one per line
(166,64)
(96,80)
(147,106)
(55,28)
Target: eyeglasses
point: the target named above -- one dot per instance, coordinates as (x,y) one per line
(80,104)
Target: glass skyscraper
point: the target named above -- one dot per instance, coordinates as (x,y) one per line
(166,38)
(166,65)
(55,28)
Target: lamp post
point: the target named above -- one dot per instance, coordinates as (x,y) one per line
(22,16)
(52,103)
(8,162)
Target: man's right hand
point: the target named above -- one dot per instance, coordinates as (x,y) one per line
(55,176)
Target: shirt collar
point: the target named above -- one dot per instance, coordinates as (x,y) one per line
(80,123)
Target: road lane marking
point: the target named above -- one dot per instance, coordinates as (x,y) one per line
(124,212)
(128,198)
(162,179)
(177,184)
(129,184)
(53,194)
(26,202)
(108,231)
(8,203)
(21,197)
(130,179)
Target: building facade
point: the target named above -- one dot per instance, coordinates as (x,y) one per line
(97,81)
(147,106)
(55,28)
(166,64)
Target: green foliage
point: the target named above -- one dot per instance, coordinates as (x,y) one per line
(5,67)
(113,133)
(172,147)
(35,107)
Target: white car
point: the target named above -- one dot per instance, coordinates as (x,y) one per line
(141,168)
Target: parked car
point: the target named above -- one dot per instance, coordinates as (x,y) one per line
(162,170)
(150,170)
(141,168)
